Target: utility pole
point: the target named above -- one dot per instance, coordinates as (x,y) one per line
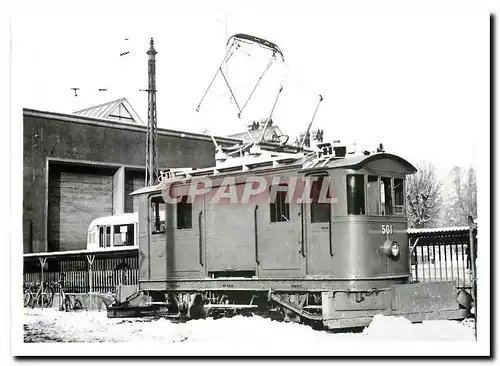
(151,153)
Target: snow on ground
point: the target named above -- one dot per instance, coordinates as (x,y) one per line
(52,325)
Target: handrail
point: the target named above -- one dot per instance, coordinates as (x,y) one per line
(302,230)
(200,243)
(256,235)
(330,229)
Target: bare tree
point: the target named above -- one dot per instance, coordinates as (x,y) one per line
(463,200)
(424,197)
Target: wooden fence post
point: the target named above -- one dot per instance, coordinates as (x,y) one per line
(42,261)
(472,255)
(90,260)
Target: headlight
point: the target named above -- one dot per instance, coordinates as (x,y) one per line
(394,249)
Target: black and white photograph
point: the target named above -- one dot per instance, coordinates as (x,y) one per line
(250,179)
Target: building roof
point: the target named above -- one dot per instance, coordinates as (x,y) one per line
(116,110)
(94,120)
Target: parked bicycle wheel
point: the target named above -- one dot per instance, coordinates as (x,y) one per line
(47,298)
(67,303)
(78,305)
(28,298)
(62,305)
(35,299)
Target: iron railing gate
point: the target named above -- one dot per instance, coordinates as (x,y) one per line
(442,254)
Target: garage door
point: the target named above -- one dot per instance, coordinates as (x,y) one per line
(134,180)
(77,195)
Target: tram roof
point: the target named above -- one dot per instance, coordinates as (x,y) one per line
(123,219)
(356,162)
(305,163)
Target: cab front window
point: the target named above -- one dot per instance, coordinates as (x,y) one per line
(355,194)
(157,215)
(372,195)
(399,196)
(386,195)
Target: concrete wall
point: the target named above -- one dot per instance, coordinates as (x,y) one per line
(51,138)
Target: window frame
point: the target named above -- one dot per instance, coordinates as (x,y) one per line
(320,177)
(364,175)
(391,182)
(152,220)
(379,176)
(281,187)
(129,233)
(379,208)
(179,204)
(403,206)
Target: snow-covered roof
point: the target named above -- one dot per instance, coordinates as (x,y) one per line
(128,218)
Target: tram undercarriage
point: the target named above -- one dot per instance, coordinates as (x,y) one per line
(322,309)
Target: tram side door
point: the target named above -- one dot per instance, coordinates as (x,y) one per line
(317,223)
(280,235)
(185,257)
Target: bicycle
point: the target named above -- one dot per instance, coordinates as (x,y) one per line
(28,293)
(42,298)
(65,302)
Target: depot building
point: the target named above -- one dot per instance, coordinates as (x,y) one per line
(81,166)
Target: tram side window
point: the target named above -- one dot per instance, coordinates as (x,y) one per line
(157,215)
(279,207)
(101,236)
(104,236)
(123,235)
(386,195)
(355,194)
(184,214)
(320,211)
(399,196)
(372,195)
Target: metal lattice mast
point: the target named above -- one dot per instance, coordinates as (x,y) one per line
(151,153)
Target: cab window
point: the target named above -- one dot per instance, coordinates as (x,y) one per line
(279,208)
(355,194)
(104,236)
(372,194)
(320,211)
(399,196)
(123,235)
(157,215)
(184,214)
(386,195)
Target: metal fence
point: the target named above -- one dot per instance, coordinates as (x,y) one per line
(443,254)
(438,262)
(105,274)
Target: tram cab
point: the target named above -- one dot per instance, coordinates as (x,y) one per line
(113,231)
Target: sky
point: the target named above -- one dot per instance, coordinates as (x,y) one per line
(416,81)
